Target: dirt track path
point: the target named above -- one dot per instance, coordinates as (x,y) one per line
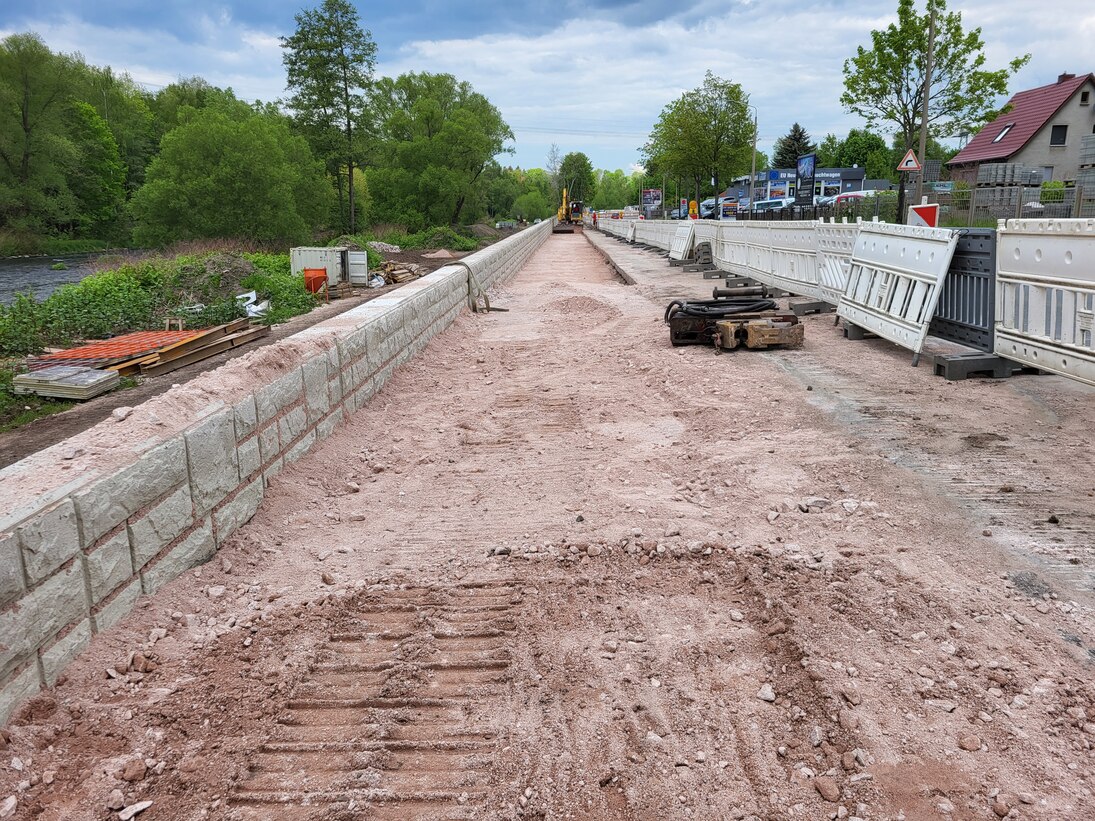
(571,579)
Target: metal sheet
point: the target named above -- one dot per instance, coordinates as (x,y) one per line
(966,309)
(359,267)
(894,280)
(1045,295)
(683,239)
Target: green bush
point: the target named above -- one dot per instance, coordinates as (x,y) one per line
(274,281)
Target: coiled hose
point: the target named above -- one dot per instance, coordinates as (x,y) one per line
(716,309)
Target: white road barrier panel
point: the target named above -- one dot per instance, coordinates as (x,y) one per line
(683,241)
(792,248)
(1045,295)
(730,251)
(630,236)
(893,283)
(656,233)
(835,241)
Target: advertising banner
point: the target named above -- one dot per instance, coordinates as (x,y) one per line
(804,179)
(652,198)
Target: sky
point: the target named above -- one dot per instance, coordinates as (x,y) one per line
(587,76)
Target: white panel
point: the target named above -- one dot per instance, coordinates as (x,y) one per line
(1045,295)
(793,256)
(730,250)
(835,241)
(359,267)
(894,279)
(683,238)
(631,231)
(317,257)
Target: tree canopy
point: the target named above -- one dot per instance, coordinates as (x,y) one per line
(788,148)
(576,176)
(884,84)
(861,148)
(329,61)
(217,176)
(705,133)
(435,136)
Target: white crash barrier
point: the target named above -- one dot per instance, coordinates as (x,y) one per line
(731,251)
(1045,295)
(656,233)
(894,280)
(683,240)
(791,257)
(835,241)
(630,234)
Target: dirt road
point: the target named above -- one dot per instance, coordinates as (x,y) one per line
(561,570)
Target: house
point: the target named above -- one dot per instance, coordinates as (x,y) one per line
(1041,129)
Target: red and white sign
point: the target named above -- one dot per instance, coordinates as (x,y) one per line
(926,216)
(909,162)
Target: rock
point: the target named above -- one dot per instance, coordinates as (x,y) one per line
(851,695)
(327,578)
(969,742)
(736,615)
(116,800)
(827,788)
(134,770)
(772,516)
(812,503)
(672,530)
(579,518)
(986,532)
(48,776)
(121,413)
(847,761)
(1026,798)
(766,693)
(133,809)
(216,591)
(848,720)
(594,550)
(816,736)
(353,487)
(1001,808)
(8,806)
(610,645)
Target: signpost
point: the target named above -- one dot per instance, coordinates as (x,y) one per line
(909,162)
(804,179)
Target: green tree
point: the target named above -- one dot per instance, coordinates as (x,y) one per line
(827,152)
(124,108)
(576,176)
(97,178)
(706,133)
(330,62)
(216,176)
(35,90)
(794,144)
(435,137)
(530,206)
(615,189)
(885,83)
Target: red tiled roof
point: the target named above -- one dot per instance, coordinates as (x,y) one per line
(1030,110)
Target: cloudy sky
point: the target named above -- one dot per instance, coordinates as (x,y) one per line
(590,76)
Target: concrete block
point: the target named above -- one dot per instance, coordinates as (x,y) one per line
(193,550)
(114,610)
(109,502)
(212,459)
(334,390)
(249,457)
(17,690)
(271,399)
(237,512)
(49,540)
(56,658)
(272,470)
(11,569)
(327,426)
(247,418)
(316,398)
(160,525)
(269,442)
(302,447)
(366,392)
(41,614)
(362,371)
(108,566)
(355,343)
(292,425)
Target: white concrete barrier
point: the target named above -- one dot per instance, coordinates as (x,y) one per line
(82,538)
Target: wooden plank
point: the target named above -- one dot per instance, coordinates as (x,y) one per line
(203,339)
(217,346)
(133,366)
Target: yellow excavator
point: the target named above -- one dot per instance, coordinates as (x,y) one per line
(568,216)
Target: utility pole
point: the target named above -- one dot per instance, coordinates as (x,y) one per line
(924,112)
(753,165)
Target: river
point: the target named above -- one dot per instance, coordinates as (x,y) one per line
(34,274)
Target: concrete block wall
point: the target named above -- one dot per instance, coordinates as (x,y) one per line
(76,555)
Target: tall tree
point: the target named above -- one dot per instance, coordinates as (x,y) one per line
(576,176)
(330,62)
(705,133)
(97,179)
(885,83)
(794,144)
(435,137)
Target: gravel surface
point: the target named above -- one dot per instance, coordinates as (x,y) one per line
(559,569)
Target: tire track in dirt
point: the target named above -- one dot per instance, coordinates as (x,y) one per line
(396,717)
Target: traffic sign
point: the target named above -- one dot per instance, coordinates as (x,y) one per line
(909,162)
(926,216)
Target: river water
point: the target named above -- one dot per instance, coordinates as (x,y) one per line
(19,274)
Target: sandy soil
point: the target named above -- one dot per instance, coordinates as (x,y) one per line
(559,569)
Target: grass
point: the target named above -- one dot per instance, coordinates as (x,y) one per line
(140,294)
(19,243)
(17,410)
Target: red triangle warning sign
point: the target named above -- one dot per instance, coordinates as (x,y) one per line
(909,162)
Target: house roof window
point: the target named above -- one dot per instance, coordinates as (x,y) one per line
(1003,133)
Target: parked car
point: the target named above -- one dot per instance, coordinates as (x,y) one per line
(825,202)
(707,209)
(769,206)
(675,214)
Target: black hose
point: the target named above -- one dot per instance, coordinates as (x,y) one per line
(715,309)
